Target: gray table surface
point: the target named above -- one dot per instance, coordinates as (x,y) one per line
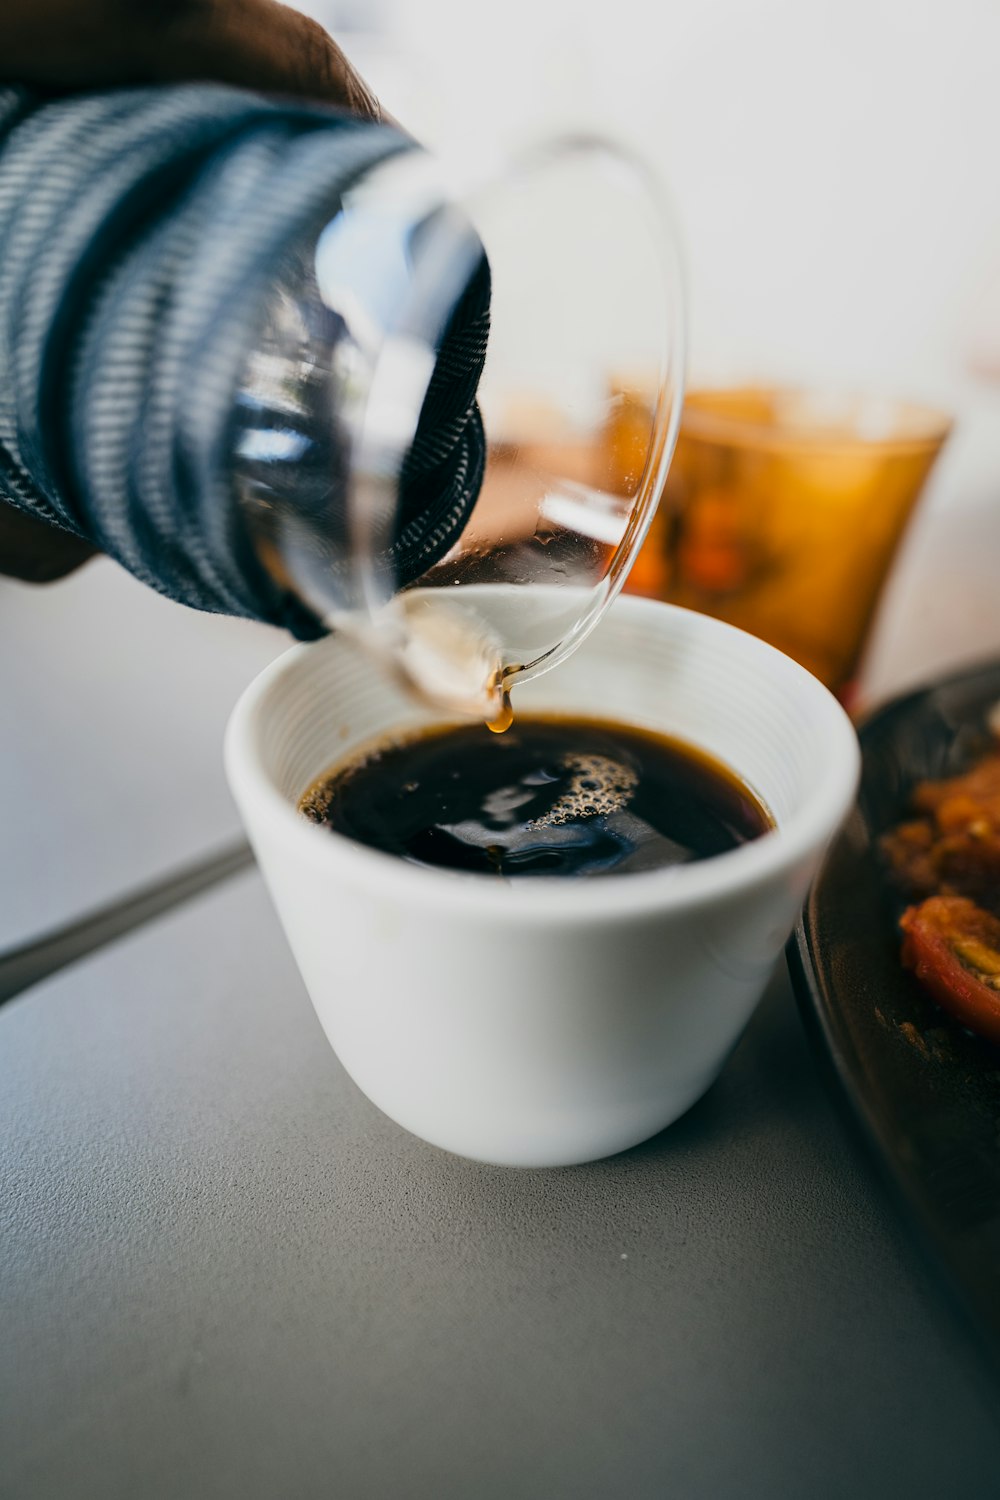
(113,702)
(224,1273)
(227,1274)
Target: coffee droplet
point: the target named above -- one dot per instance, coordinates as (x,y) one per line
(504,717)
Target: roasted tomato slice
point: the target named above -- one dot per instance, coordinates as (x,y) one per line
(953,947)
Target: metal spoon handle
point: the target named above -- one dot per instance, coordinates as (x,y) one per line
(26,965)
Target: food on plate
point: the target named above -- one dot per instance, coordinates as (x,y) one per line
(953,947)
(946,861)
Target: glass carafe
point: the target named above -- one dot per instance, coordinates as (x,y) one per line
(508,305)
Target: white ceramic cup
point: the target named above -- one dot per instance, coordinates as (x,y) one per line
(544,1022)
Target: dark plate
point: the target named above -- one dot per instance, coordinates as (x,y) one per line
(926,1092)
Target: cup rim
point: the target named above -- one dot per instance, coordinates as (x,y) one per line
(894,423)
(547,899)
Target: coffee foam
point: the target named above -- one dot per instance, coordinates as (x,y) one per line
(599,787)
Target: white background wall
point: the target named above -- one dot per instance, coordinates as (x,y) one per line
(836,167)
(836,163)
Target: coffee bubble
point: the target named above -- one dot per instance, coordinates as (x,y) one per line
(598,787)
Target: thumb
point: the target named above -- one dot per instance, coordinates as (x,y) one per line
(256,44)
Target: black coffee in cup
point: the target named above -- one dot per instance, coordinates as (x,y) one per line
(562,796)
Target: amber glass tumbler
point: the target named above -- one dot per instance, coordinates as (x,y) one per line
(783,511)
